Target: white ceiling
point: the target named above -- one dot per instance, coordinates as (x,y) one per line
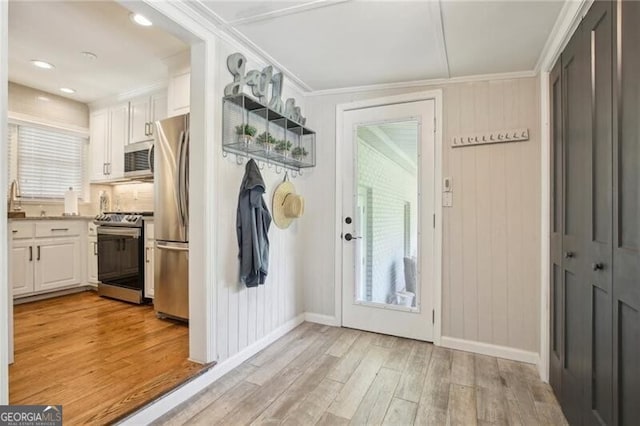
(129,56)
(328,45)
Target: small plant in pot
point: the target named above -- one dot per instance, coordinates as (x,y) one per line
(299,153)
(245,133)
(266,140)
(283,147)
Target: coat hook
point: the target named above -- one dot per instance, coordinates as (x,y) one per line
(261,165)
(299,172)
(239,160)
(278,170)
(225,154)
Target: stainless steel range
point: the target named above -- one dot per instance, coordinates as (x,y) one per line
(121,255)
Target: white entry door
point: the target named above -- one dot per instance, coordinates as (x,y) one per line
(388,235)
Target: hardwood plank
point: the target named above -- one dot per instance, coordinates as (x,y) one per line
(98,357)
(329,419)
(183,412)
(462,405)
(399,355)
(491,406)
(279,345)
(348,363)
(349,398)
(341,346)
(487,373)
(463,369)
(400,412)
(231,399)
(374,405)
(311,408)
(414,375)
(435,394)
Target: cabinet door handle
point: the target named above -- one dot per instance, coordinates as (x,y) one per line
(30,253)
(15,231)
(146,256)
(95,249)
(38,253)
(150,128)
(59,229)
(104,168)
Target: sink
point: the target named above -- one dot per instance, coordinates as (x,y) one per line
(17,215)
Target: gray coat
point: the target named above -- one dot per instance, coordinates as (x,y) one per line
(252,225)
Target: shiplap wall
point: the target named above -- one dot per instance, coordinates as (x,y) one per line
(491,241)
(244,315)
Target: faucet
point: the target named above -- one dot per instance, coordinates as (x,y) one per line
(14,194)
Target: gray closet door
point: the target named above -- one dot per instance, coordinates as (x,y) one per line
(626,214)
(599,26)
(556,299)
(575,228)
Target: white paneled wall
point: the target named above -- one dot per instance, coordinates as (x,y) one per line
(244,315)
(491,240)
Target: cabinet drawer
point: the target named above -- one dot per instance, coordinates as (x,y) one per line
(58,228)
(149,231)
(22,230)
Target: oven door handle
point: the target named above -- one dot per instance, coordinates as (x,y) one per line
(122,232)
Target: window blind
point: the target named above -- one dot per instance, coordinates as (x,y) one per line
(49,162)
(11,158)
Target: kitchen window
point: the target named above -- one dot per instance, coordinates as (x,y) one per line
(46,161)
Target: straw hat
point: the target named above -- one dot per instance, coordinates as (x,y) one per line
(287,205)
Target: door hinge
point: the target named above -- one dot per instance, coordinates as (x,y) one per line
(434,221)
(433,316)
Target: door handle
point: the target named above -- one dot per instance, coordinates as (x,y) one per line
(350,237)
(38,253)
(568,254)
(597,266)
(30,253)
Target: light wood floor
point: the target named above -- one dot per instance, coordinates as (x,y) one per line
(333,376)
(99,358)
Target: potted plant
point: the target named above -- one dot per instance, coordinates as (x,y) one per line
(299,153)
(283,147)
(245,133)
(265,139)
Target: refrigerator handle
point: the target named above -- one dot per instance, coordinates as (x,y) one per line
(178,178)
(184,189)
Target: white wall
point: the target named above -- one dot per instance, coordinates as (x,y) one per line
(244,315)
(491,236)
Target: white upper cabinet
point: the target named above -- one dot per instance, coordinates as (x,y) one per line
(108,133)
(179,93)
(143,112)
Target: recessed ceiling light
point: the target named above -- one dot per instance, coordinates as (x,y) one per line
(140,20)
(67,90)
(90,55)
(41,64)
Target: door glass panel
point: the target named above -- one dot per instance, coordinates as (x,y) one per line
(386,161)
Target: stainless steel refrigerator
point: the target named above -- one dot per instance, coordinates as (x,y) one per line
(171,217)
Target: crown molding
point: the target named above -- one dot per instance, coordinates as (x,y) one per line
(568,20)
(130,94)
(423,83)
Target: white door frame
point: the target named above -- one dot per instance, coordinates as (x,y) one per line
(4,240)
(436,96)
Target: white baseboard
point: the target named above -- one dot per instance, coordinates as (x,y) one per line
(166,403)
(489,349)
(321,319)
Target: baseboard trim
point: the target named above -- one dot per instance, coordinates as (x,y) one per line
(171,400)
(491,350)
(322,319)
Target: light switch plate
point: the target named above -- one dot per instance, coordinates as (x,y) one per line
(447,199)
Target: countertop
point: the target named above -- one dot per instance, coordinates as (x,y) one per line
(52,218)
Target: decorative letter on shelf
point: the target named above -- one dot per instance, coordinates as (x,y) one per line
(259,81)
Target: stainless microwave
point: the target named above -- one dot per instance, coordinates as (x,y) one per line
(138,160)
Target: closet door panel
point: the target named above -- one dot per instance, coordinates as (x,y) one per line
(598,24)
(626,225)
(556,297)
(575,229)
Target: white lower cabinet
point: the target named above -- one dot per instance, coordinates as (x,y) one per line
(149,255)
(46,257)
(22,267)
(92,254)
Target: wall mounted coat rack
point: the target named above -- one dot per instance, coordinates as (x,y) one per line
(499,136)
